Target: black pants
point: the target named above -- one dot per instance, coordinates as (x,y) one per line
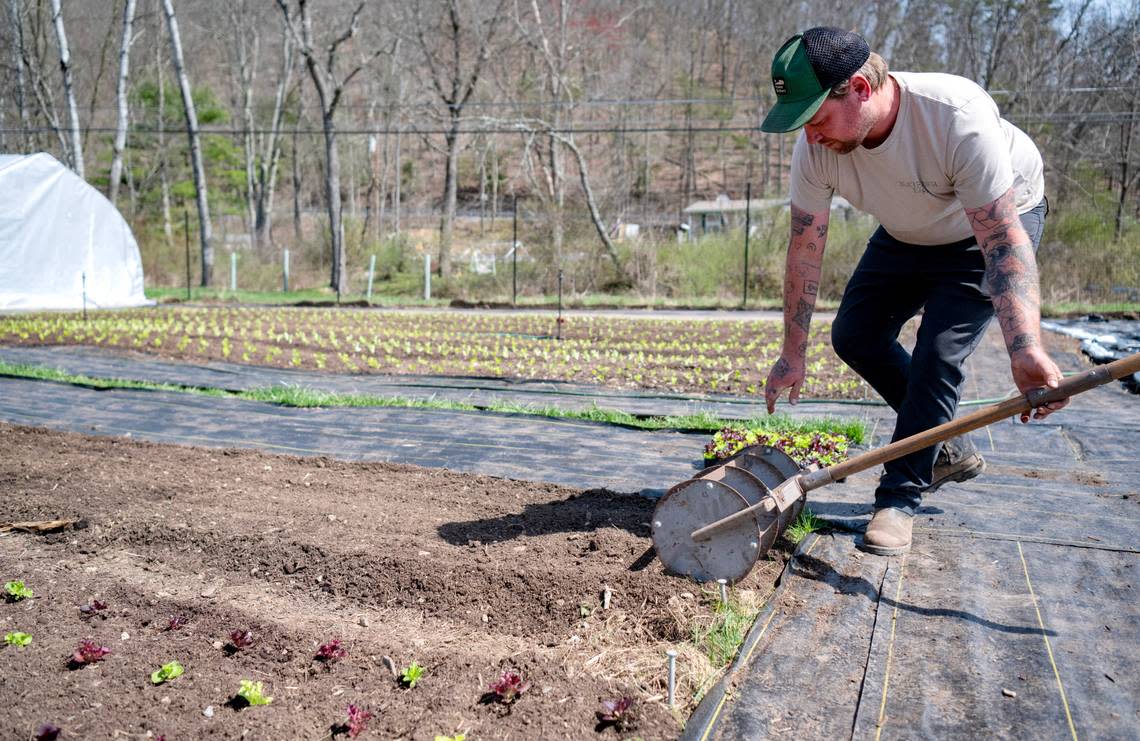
(891,284)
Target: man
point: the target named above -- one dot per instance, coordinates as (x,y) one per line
(959,195)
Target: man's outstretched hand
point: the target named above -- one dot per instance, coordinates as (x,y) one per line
(785,374)
(1033,369)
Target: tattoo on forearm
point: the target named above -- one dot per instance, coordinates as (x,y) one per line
(802,317)
(821,231)
(1011,270)
(803,349)
(811,287)
(801,220)
(781,368)
(1022,341)
(985,218)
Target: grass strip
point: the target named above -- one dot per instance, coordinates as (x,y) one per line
(724,635)
(806,524)
(302,397)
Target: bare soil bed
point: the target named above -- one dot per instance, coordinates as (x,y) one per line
(466,575)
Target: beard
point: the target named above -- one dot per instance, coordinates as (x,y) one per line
(862,123)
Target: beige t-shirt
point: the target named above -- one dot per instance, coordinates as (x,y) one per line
(949,149)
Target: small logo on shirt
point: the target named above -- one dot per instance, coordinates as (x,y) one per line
(919,186)
(780,85)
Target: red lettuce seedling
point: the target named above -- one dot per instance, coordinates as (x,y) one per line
(47,732)
(331,652)
(357,720)
(88,652)
(92,608)
(241,638)
(176,622)
(509,686)
(617,712)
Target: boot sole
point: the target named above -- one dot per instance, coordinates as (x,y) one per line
(880,550)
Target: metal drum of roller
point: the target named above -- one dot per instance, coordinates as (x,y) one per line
(743,480)
(773,467)
(708,498)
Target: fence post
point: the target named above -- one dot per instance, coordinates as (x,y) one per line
(186,233)
(427,277)
(747,234)
(558,323)
(233,270)
(515,254)
(371,273)
(285,272)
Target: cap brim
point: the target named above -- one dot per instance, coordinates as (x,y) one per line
(789,115)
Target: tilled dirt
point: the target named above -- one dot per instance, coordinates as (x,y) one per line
(466,575)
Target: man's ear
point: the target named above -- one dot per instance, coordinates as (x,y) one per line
(860,87)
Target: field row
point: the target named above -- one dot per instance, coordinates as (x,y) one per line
(721,356)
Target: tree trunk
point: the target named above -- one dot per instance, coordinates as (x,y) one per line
(1126,178)
(332,195)
(68,89)
(297,233)
(160,125)
(121,96)
(396,192)
(595,216)
(271,154)
(21,75)
(247,69)
(450,195)
(205,231)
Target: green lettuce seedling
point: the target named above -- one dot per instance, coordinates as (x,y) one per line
(411,675)
(16,591)
(16,638)
(166,672)
(253,693)
(456,737)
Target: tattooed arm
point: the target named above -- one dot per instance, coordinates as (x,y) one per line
(1011,274)
(801,284)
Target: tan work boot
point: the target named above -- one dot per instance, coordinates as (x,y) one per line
(888,534)
(957,461)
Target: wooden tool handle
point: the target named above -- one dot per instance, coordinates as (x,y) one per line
(1070,386)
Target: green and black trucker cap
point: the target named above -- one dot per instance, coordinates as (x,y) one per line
(805,69)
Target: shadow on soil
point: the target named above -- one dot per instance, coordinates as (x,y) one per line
(818,570)
(585,512)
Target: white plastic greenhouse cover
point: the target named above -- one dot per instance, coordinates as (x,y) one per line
(55,231)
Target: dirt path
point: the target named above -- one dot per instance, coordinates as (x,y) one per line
(466,575)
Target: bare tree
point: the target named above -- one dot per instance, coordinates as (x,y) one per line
(247,45)
(121,96)
(17,25)
(269,157)
(76,153)
(330,87)
(205,231)
(455,45)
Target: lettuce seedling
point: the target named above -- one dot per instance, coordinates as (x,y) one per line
(47,732)
(331,652)
(14,591)
(618,712)
(456,737)
(253,693)
(166,672)
(176,622)
(241,638)
(88,652)
(357,720)
(411,675)
(509,686)
(16,638)
(92,608)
